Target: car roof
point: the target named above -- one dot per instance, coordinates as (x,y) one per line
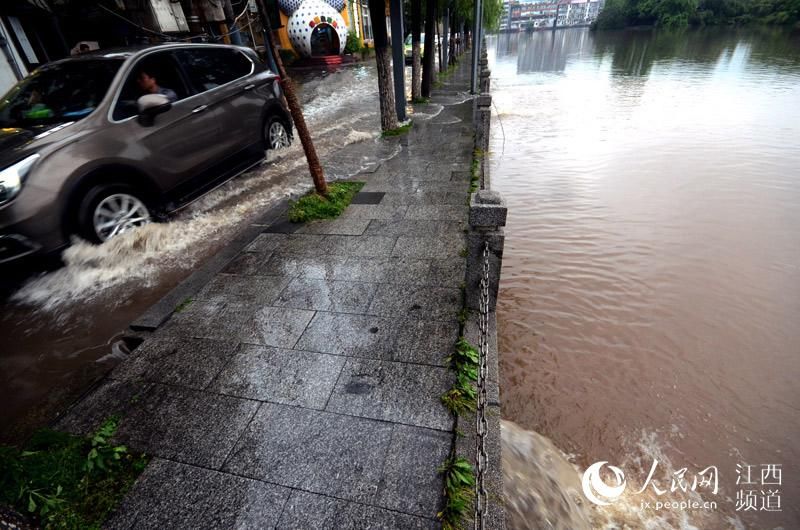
(125,53)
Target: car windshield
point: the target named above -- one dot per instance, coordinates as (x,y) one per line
(421,39)
(57,93)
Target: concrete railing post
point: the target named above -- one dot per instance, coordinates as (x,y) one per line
(487,217)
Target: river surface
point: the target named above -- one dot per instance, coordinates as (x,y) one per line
(650,295)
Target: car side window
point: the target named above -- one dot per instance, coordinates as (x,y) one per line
(156,73)
(209,68)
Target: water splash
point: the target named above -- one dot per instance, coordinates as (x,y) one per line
(341,111)
(543,489)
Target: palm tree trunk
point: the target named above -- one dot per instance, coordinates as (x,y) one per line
(383,62)
(428,54)
(314,166)
(416,63)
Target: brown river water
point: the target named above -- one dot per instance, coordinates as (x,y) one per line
(650,295)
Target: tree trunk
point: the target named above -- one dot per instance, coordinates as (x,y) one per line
(416,63)
(453,24)
(383,61)
(428,54)
(314,166)
(439,41)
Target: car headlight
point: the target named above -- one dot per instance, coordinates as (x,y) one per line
(12,177)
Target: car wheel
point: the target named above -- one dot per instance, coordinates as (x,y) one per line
(276,134)
(109,210)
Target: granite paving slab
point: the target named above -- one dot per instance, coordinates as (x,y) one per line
(316,451)
(321,267)
(243,289)
(448,246)
(185,425)
(411,485)
(425,197)
(304,511)
(327,295)
(247,264)
(415,228)
(393,391)
(371,337)
(187,362)
(346,334)
(275,326)
(178,496)
(360,246)
(215,319)
(415,184)
(266,242)
(383,270)
(284,376)
(418,302)
(344,226)
(375,211)
(438,212)
(110,398)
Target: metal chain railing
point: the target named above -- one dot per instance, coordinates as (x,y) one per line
(481,426)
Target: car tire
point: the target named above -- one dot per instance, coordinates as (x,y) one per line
(277,134)
(108,210)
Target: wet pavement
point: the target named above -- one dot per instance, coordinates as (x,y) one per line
(62,328)
(301,385)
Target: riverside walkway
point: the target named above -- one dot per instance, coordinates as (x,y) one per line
(301,386)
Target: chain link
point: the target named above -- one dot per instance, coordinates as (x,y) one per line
(481,426)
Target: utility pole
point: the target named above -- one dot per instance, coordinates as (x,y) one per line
(398,58)
(314,167)
(477,13)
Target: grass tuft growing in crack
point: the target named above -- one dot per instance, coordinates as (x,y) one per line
(397,132)
(459,484)
(314,206)
(462,396)
(183,305)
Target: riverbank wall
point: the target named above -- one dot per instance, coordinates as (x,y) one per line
(485,241)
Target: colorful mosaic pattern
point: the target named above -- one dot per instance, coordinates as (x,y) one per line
(290,6)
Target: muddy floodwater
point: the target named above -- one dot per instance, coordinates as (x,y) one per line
(61,330)
(650,297)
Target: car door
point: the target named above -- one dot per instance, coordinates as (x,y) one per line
(226,74)
(181,142)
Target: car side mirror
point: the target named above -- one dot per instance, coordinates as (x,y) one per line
(150,106)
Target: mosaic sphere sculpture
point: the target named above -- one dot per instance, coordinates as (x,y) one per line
(308,15)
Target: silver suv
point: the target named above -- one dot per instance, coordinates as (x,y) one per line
(98,144)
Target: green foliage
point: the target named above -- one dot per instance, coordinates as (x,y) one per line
(459,484)
(399,131)
(462,395)
(492,11)
(354,43)
(183,305)
(315,206)
(67,481)
(682,13)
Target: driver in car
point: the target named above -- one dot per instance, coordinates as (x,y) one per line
(148,85)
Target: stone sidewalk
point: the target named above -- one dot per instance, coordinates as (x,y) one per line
(301,386)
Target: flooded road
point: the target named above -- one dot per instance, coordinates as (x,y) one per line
(650,294)
(61,330)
